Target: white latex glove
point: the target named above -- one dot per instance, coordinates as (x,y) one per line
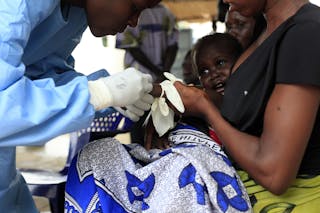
(121,89)
(136,110)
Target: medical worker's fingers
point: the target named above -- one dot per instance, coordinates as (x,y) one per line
(133,109)
(134,117)
(147,83)
(141,105)
(147,98)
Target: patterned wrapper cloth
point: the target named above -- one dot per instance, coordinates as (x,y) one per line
(194,175)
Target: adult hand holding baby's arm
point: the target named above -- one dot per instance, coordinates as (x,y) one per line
(196,101)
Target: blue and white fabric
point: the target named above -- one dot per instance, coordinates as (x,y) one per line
(194,175)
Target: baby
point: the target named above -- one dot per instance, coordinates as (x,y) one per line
(213,57)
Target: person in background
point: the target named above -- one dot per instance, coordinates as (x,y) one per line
(152,45)
(129,178)
(245,29)
(189,74)
(222,10)
(42,96)
(271,107)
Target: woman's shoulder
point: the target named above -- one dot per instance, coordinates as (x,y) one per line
(308,13)
(302,27)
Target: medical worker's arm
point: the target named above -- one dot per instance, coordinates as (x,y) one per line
(35,111)
(32,112)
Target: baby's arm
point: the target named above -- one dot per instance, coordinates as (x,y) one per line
(152,139)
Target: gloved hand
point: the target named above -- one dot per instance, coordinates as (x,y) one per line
(137,109)
(121,89)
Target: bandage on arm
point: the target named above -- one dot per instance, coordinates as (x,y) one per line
(162,115)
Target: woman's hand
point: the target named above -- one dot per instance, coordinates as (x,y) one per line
(196,101)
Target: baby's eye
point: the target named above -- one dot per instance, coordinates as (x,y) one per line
(204,72)
(220,63)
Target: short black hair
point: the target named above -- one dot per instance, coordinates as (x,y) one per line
(223,40)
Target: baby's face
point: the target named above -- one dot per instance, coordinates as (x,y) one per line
(214,66)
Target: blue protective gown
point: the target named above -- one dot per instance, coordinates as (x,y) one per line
(41,94)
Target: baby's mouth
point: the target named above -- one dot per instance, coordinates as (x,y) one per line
(219,87)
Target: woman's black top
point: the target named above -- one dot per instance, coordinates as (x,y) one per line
(291,55)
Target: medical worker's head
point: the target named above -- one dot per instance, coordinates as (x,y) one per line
(108,17)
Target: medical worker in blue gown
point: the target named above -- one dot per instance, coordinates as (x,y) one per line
(41,95)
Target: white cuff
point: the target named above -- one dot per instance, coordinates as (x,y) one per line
(100,95)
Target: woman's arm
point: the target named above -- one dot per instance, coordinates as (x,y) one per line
(273,159)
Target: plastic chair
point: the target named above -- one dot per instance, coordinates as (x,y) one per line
(108,123)
(49,184)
